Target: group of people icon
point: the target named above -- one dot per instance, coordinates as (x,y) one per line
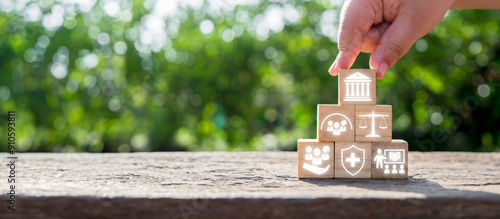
(394,169)
(317,156)
(379,159)
(337,128)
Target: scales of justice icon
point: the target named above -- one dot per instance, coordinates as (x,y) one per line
(364,125)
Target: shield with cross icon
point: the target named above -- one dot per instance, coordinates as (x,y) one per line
(353,159)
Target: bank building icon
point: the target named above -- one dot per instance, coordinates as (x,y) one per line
(357,87)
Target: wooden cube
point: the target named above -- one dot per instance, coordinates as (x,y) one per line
(335,123)
(315,159)
(352,160)
(357,87)
(390,159)
(374,123)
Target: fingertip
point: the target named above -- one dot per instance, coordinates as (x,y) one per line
(333,69)
(377,63)
(344,60)
(382,69)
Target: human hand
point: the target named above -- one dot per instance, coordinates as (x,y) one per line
(385,28)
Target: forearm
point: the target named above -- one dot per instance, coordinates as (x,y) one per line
(476,4)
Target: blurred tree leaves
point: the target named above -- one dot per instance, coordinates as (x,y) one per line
(215,75)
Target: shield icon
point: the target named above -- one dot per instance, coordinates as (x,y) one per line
(353,159)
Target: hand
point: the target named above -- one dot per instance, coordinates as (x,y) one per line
(385,28)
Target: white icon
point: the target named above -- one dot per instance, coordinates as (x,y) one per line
(394,171)
(336,128)
(357,88)
(386,171)
(393,157)
(379,158)
(316,158)
(309,155)
(351,159)
(382,125)
(343,126)
(325,155)
(396,156)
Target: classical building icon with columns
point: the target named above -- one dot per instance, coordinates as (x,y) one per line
(357,88)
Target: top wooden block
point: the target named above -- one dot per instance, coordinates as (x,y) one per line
(357,87)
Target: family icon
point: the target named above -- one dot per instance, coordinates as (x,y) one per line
(316,157)
(336,128)
(336,123)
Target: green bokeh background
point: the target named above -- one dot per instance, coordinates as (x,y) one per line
(87,76)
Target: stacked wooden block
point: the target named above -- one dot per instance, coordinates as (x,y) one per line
(354,138)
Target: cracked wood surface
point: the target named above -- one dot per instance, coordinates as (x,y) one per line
(246,184)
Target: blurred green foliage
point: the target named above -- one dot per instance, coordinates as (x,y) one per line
(193,75)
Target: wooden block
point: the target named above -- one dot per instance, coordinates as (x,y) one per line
(357,87)
(374,123)
(390,159)
(352,160)
(336,123)
(315,159)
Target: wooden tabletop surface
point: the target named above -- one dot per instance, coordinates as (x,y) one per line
(245,184)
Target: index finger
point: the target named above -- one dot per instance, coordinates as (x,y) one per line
(356,19)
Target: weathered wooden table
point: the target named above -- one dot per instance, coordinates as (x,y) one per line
(245,185)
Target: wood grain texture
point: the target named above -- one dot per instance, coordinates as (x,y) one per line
(390,167)
(335,123)
(357,87)
(366,127)
(315,159)
(352,160)
(246,185)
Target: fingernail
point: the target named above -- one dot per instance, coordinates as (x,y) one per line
(332,68)
(382,68)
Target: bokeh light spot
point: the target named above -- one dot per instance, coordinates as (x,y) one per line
(483,90)
(206,26)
